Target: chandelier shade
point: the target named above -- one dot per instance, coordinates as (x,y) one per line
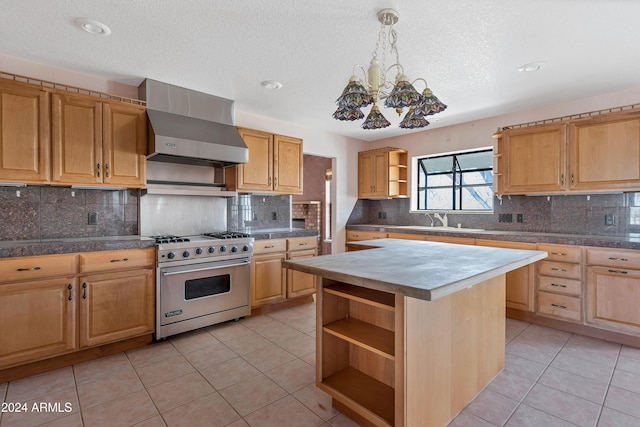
(375,119)
(374,84)
(347,114)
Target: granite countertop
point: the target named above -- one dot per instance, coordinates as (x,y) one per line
(278,233)
(628,241)
(419,269)
(16,248)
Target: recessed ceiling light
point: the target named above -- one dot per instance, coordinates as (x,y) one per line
(532,66)
(93,27)
(271,84)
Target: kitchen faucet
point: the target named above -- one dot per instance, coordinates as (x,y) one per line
(444,220)
(427,215)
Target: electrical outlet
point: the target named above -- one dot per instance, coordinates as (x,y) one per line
(505,217)
(93,218)
(609,219)
(274,216)
(520,217)
(382,215)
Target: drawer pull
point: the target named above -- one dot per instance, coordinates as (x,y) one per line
(302,244)
(269,247)
(84,290)
(120,260)
(69,287)
(618,259)
(559,253)
(559,269)
(558,305)
(558,286)
(29,269)
(98,170)
(618,271)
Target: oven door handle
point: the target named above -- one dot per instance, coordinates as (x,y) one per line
(194,270)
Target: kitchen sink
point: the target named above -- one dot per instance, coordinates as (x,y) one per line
(440,228)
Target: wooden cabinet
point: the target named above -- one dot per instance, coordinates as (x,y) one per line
(38,298)
(613,290)
(24,139)
(604,152)
(299,283)
(559,282)
(434,238)
(593,154)
(382,173)
(57,304)
(355,235)
(520,283)
(268,278)
(118,301)
(98,143)
(275,164)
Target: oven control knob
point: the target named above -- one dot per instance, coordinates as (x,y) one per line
(212,249)
(223,249)
(171,255)
(245,248)
(199,251)
(234,249)
(185,254)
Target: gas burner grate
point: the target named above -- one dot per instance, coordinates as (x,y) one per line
(226,235)
(169,239)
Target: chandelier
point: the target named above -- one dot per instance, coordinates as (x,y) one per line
(376,86)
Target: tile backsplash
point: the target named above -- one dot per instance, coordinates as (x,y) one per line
(250,211)
(571,214)
(35,213)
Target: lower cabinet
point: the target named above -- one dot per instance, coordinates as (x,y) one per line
(268,279)
(519,282)
(613,290)
(299,283)
(50,307)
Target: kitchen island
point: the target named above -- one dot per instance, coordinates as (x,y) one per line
(409,332)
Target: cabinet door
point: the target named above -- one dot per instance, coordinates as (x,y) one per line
(613,298)
(299,283)
(77,140)
(519,282)
(534,160)
(116,306)
(257,174)
(24,133)
(287,164)
(365,175)
(38,320)
(268,281)
(124,145)
(380,177)
(605,153)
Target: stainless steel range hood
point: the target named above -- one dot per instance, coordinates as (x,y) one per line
(191,127)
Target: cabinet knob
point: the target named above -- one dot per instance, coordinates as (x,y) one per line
(70,288)
(84,290)
(106,170)
(98,168)
(561,179)
(573,180)
(275,182)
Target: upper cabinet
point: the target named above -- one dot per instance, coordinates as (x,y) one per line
(275,164)
(97,142)
(24,135)
(593,154)
(382,173)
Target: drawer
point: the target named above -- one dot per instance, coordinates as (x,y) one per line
(364,235)
(560,285)
(37,267)
(562,253)
(559,269)
(560,306)
(269,246)
(117,260)
(302,243)
(614,257)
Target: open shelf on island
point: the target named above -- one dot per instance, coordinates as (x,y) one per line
(379,299)
(365,335)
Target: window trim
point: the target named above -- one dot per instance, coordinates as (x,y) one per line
(417,165)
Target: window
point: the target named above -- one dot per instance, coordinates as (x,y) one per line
(456,181)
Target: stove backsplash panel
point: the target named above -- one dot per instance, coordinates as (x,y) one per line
(181,215)
(38,213)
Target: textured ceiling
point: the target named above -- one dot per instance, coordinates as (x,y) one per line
(468,50)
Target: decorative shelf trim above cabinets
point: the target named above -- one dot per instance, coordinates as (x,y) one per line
(595,152)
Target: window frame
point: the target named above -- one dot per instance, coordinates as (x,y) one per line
(457,185)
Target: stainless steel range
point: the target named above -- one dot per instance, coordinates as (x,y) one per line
(201,280)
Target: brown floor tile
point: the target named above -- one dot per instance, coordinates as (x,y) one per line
(510,385)
(628,364)
(40,385)
(268,357)
(287,412)
(74,420)
(210,410)
(164,370)
(103,367)
(126,410)
(492,407)
(626,380)
(64,402)
(247,343)
(293,375)
(156,421)
(613,418)
(179,391)
(299,345)
(250,395)
(466,419)
(208,356)
(563,405)
(228,373)
(523,367)
(316,400)
(631,352)
(193,340)
(526,416)
(152,353)
(580,366)
(229,330)
(623,401)
(104,389)
(574,384)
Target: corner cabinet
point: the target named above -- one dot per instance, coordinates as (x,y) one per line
(97,142)
(383,173)
(275,164)
(24,140)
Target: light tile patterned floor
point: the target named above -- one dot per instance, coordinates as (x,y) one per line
(260,372)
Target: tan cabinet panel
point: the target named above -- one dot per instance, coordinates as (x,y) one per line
(287,164)
(37,267)
(354,235)
(562,253)
(613,298)
(116,260)
(268,280)
(560,306)
(299,283)
(25,136)
(269,246)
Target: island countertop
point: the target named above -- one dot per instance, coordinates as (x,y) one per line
(419,269)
